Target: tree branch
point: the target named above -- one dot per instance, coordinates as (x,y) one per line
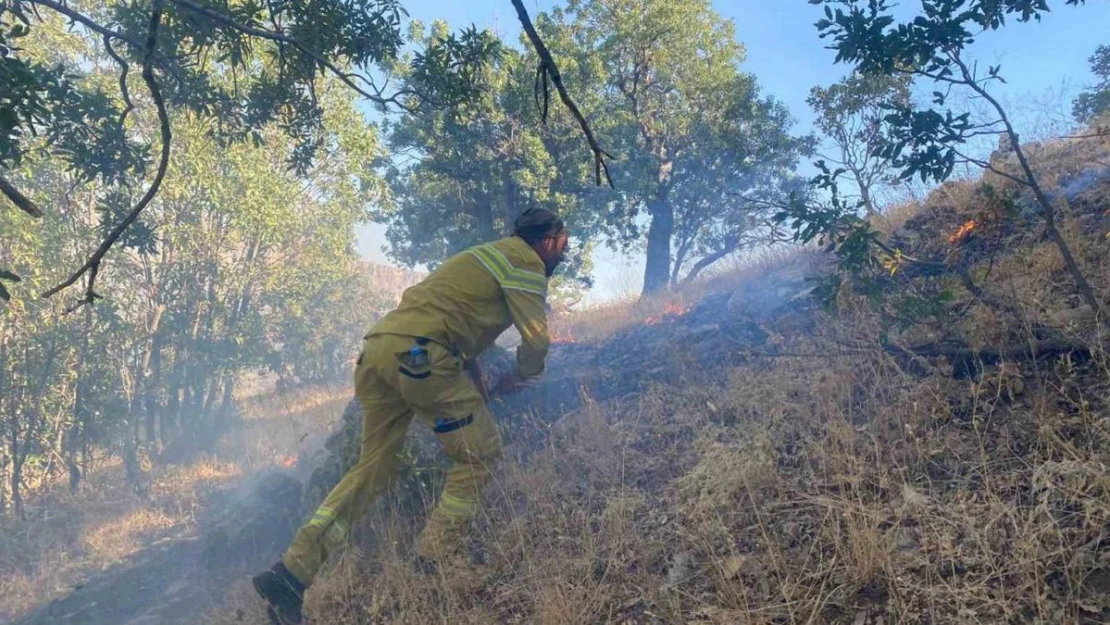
(709,259)
(277,37)
(93,264)
(22,202)
(124,68)
(547,70)
(965,277)
(1047,210)
(90,295)
(1098,134)
(991,168)
(88,22)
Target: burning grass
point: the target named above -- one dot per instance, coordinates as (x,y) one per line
(965,229)
(600,322)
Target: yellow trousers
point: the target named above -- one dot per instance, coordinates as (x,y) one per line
(398,377)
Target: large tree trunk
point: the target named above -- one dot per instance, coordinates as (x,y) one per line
(657,270)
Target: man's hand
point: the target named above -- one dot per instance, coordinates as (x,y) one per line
(507,383)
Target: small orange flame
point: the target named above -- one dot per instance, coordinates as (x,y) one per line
(670,310)
(288,462)
(962,232)
(562,337)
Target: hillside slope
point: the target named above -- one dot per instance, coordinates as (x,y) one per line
(752,458)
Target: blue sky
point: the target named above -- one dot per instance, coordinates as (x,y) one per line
(1044,64)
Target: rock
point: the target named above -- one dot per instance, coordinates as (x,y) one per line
(679,569)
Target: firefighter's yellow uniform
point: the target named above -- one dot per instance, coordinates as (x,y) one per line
(412,365)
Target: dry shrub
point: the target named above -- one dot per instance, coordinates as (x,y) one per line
(895,216)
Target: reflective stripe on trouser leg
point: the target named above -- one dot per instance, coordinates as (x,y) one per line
(452,407)
(385,419)
(473,450)
(455,507)
(334,531)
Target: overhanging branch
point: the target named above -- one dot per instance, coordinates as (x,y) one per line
(277,37)
(93,263)
(22,202)
(124,68)
(88,22)
(548,71)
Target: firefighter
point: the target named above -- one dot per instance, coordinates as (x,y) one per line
(419,361)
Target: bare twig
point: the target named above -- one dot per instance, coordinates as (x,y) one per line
(962,273)
(991,168)
(1098,134)
(93,264)
(547,70)
(1033,349)
(345,77)
(22,202)
(90,295)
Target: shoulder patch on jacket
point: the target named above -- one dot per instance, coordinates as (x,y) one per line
(508,276)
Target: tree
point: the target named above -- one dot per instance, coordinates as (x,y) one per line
(188,48)
(1094,103)
(931,142)
(699,147)
(850,113)
(459,177)
(185,48)
(239,263)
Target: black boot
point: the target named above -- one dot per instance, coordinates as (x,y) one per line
(283,592)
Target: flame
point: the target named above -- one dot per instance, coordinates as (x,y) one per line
(288,462)
(962,232)
(670,310)
(562,337)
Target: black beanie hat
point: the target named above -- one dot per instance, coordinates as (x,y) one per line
(537,223)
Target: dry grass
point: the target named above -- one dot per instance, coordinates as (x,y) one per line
(792,490)
(802,491)
(838,489)
(599,322)
(69,537)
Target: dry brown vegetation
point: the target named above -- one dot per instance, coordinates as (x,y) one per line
(822,485)
(67,537)
(828,482)
(804,491)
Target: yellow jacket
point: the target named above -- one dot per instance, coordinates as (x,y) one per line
(473,297)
